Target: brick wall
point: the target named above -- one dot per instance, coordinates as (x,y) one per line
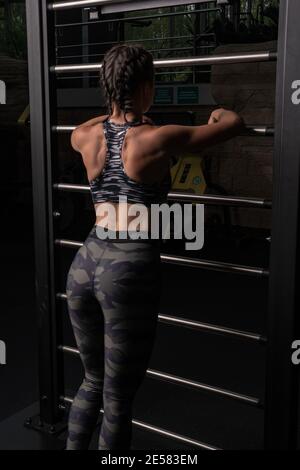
(243,166)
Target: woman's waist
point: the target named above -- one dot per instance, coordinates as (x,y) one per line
(131,220)
(122,215)
(121,235)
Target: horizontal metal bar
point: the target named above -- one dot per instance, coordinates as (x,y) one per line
(173,435)
(210,328)
(185,197)
(61,296)
(251,130)
(103,3)
(81,4)
(206,327)
(146,5)
(221,200)
(204,387)
(72,188)
(247,400)
(215,266)
(192,262)
(69,350)
(129,19)
(181,62)
(158,430)
(69,243)
(218,59)
(261,130)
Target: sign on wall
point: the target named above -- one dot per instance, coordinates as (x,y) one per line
(198,94)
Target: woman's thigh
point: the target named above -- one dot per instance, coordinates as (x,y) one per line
(128,286)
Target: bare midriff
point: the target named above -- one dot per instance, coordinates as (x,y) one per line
(120,217)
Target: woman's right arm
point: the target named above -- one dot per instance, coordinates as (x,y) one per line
(222,125)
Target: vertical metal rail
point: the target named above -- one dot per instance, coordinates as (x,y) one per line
(282,386)
(42,105)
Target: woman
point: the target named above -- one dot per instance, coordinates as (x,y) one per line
(114,284)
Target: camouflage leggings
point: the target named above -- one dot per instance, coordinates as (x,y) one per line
(113,291)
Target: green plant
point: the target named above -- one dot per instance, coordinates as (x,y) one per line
(13,29)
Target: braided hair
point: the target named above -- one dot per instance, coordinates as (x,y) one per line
(125,67)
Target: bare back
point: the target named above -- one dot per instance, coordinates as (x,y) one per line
(147,149)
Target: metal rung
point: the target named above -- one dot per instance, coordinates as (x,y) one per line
(210,328)
(69,243)
(204,387)
(213,199)
(62,296)
(187,197)
(206,327)
(260,130)
(215,265)
(183,62)
(130,4)
(82,4)
(186,382)
(194,263)
(257,131)
(72,188)
(161,431)
(69,350)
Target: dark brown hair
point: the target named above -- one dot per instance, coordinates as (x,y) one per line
(125,68)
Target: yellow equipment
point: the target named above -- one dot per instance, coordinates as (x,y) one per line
(187,175)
